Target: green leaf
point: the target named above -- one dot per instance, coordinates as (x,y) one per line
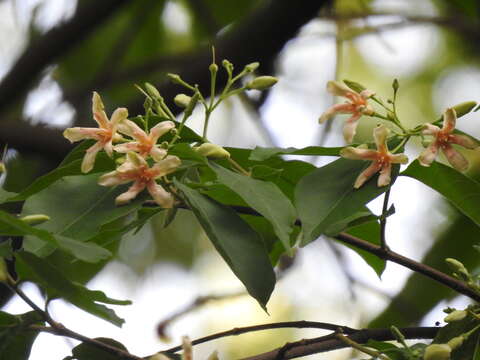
(460,190)
(86,351)
(240,246)
(42,272)
(85,251)
(261,153)
(326,196)
(264,197)
(16,339)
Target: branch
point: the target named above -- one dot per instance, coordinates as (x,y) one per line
(330,342)
(53,44)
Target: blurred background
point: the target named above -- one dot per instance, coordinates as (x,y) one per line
(54,53)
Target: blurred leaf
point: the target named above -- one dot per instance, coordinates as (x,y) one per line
(86,351)
(42,272)
(264,197)
(261,153)
(240,246)
(326,196)
(16,339)
(461,191)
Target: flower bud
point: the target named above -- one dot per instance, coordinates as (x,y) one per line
(212,150)
(455,315)
(457,266)
(152,91)
(176,79)
(252,67)
(354,86)
(182,100)
(213,68)
(456,342)
(191,105)
(262,83)
(35,219)
(464,108)
(227,65)
(437,352)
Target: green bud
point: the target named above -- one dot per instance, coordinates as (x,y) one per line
(398,335)
(3,271)
(2,167)
(192,104)
(176,79)
(457,266)
(395,85)
(227,65)
(456,342)
(455,315)
(152,91)
(35,219)
(212,150)
(464,108)
(354,86)
(437,352)
(252,67)
(262,82)
(213,68)
(182,100)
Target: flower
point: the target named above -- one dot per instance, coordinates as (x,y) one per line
(104,134)
(357,106)
(145,144)
(443,140)
(136,169)
(381,158)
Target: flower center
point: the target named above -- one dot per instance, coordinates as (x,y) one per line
(443,139)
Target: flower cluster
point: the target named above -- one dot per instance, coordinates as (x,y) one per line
(138,149)
(382,159)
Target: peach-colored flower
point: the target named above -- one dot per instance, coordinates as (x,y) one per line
(104,134)
(443,140)
(357,106)
(136,169)
(145,144)
(381,158)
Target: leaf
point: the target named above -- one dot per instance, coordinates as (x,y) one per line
(86,351)
(264,197)
(261,153)
(16,339)
(326,196)
(460,190)
(240,246)
(42,272)
(85,251)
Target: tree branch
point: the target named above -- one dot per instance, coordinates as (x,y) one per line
(53,44)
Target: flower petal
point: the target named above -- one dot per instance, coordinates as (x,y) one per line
(130,194)
(385,175)
(345,108)
(126,147)
(90,155)
(98,110)
(160,129)
(166,166)
(380,134)
(429,129)
(428,155)
(136,160)
(456,159)
(366,94)
(111,179)
(463,140)
(131,129)
(358,154)
(80,133)
(160,195)
(158,154)
(339,89)
(350,127)
(449,120)
(118,116)
(366,174)
(398,159)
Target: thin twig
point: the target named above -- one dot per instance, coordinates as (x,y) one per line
(383,220)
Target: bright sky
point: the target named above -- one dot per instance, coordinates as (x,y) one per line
(291,115)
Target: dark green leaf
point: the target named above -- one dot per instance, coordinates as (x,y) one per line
(264,197)
(40,271)
(86,351)
(326,196)
(16,339)
(240,246)
(460,190)
(260,153)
